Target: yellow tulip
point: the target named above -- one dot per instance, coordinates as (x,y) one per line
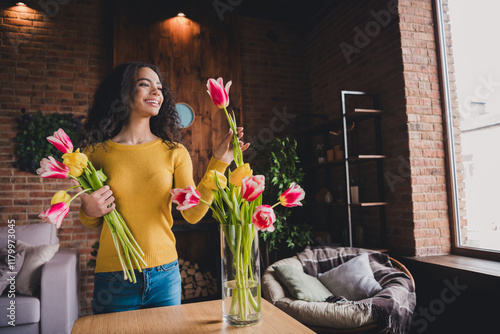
(239,173)
(76,172)
(60,196)
(76,162)
(209,180)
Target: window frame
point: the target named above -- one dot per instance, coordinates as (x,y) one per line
(453,206)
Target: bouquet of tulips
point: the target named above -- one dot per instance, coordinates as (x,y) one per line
(76,166)
(237,202)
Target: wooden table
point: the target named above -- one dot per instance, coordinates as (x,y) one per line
(204,317)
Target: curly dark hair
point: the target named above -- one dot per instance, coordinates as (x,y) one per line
(111,107)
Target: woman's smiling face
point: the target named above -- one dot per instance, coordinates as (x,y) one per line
(148,96)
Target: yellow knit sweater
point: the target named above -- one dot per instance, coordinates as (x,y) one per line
(141,177)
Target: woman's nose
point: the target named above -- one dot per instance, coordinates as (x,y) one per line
(155,91)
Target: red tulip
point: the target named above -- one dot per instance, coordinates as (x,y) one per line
(292,196)
(61,141)
(263,218)
(185,198)
(55,214)
(51,168)
(252,187)
(219,93)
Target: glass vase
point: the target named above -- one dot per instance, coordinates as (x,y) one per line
(241,293)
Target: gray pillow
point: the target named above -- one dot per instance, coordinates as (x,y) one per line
(301,285)
(353,279)
(6,270)
(28,278)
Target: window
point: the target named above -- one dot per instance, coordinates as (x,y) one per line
(467,34)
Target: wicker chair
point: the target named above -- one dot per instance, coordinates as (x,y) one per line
(370,328)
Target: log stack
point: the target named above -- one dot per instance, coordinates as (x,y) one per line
(196,284)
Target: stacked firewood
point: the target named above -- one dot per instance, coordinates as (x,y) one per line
(195,284)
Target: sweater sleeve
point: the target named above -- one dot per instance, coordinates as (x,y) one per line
(183,177)
(92,222)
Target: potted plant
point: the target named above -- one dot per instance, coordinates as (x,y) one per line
(280,166)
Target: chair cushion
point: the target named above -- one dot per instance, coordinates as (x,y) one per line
(300,285)
(28,278)
(324,314)
(337,315)
(9,267)
(353,279)
(27,310)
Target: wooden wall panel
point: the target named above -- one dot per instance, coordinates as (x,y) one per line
(188,52)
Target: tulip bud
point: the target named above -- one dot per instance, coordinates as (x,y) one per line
(292,196)
(219,93)
(61,141)
(252,187)
(209,180)
(185,198)
(263,218)
(76,162)
(60,196)
(55,214)
(239,173)
(51,168)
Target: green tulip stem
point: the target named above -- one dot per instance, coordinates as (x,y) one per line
(115,241)
(81,192)
(237,154)
(77,186)
(275,205)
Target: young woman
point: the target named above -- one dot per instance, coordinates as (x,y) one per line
(132,133)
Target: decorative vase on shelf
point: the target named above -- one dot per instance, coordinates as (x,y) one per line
(241,287)
(354,194)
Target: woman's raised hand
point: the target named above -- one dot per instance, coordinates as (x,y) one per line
(224,151)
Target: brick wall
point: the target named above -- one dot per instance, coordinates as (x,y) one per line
(425,128)
(274,74)
(388,47)
(51,59)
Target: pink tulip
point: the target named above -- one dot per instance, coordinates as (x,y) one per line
(185,198)
(292,196)
(219,93)
(51,168)
(263,218)
(61,141)
(55,214)
(252,187)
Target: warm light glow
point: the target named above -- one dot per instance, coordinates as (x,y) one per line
(181,14)
(20,3)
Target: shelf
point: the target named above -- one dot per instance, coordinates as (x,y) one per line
(366,157)
(363,112)
(329,125)
(336,123)
(366,204)
(363,204)
(354,159)
(335,173)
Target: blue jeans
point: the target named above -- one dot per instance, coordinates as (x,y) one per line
(155,287)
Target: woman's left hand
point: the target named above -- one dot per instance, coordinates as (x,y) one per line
(224,152)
